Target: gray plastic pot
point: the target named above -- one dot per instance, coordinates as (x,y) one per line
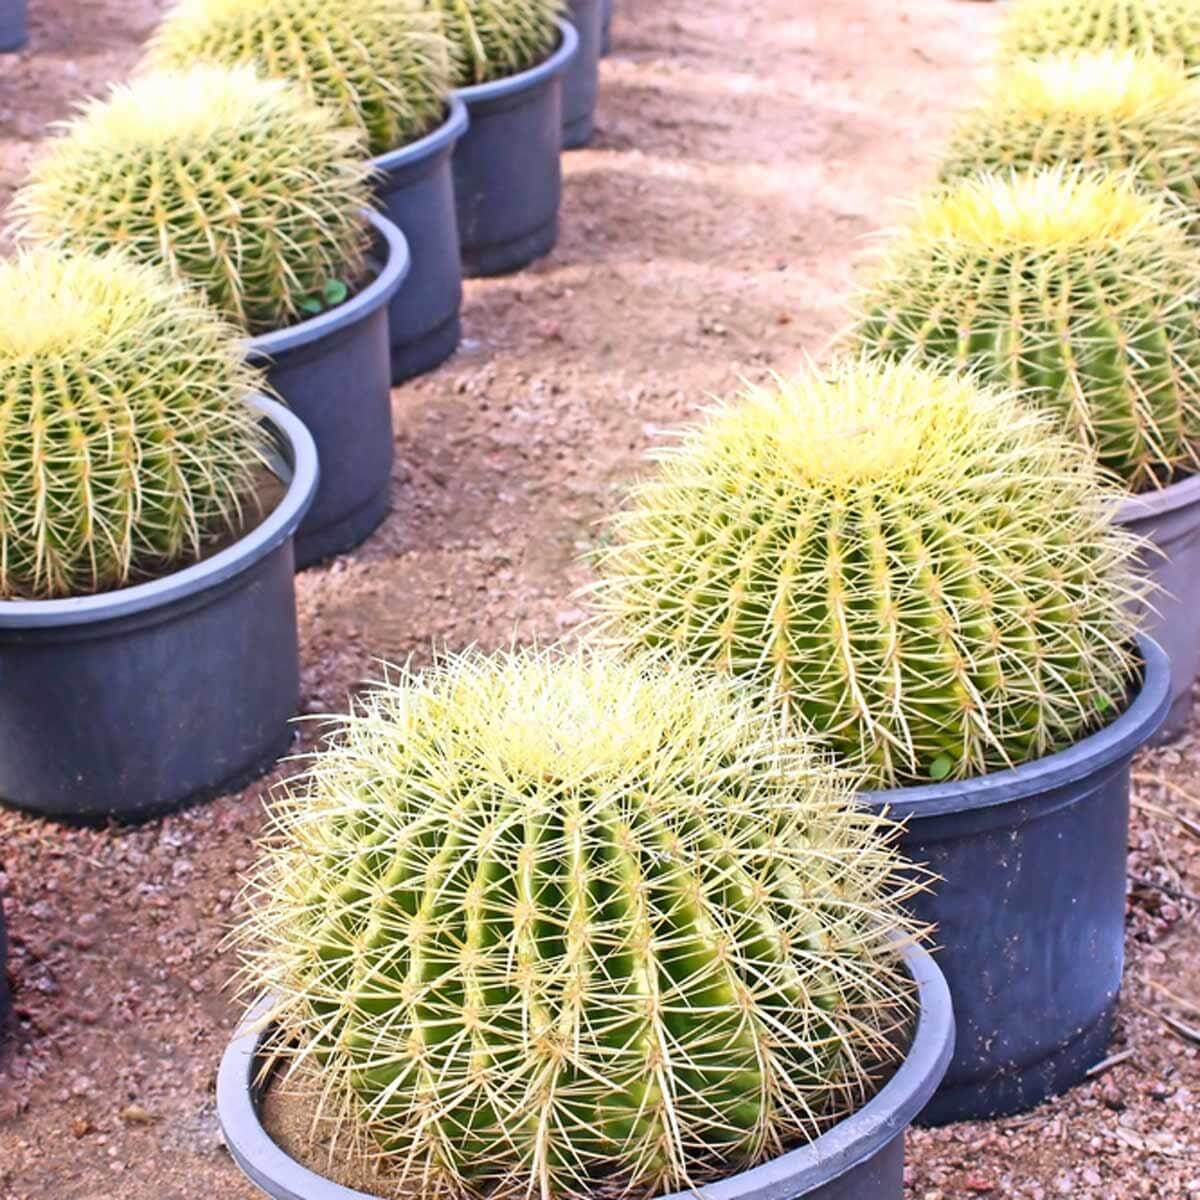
(507,169)
(13,31)
(335,373)
(581,83)
(862,1158)
(1030,910)
(606,28)
(134,702)
(1170,520)
(416,192)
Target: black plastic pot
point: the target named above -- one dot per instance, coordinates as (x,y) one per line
(606,28)
(416,192)
(507,173)
(134,702)
(13,32)
(1170,520)
(1030,912)
(862,1158)
(334,372)
(581,83)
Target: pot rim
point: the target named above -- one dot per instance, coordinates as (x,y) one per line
(299,456)
(1092,754)
(860,1136)
(374,296)
(555,64)
(1151,505)
(437,139)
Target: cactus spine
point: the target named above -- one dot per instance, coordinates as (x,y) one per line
(556,921)
(1076,288)
(125,444)
(919,570)
(237,184)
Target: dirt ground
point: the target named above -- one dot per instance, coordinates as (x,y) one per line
(746,150)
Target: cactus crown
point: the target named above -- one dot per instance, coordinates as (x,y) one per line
(1167,28)
(551,920)
(1078,289)
(492,39)
(237,184)
(381,64)
(1120,112)
(919,570)
(125,444)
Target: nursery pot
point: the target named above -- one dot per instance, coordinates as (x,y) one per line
(13,34)
(860,1157)
(1170,520)
(507,173)
(334,372)
(581,83)
(606,27)
(416,191)
(1030,907)
(133,702)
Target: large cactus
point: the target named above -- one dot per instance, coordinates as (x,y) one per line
(494,38)
(921,571)
(1107,111)
(557,922)
(239,185)
(1169,28)
(1077,288)
(380,63)
(125,442)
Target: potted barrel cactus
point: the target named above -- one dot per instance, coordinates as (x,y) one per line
(147,609)
(924,573)
(512,57)
(548,923)
(1083,292)
(245,189)
(1169,28)
(386,69)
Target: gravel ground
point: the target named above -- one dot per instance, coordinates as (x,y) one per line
(745,152)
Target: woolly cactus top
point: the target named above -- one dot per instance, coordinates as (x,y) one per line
(1168,28)
(920,570)
(237,184)
(125,444)
(381,64)
(492,39)
(549,921)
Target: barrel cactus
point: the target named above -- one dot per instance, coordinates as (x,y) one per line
(491,39)
(1168,28)
(125,443)
(917,569)
(548,921)
(1106,110)
(1077,288)
(239,185)
(380,63)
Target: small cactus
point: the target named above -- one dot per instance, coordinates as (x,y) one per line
(918,570)
(380,63)
(125,443)
(491,39)
(1076,288)
(1106,110)
(1168,28)
(239,185)
(546,922)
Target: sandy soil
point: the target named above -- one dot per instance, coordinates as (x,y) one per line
(745,152)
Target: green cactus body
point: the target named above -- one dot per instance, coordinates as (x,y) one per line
(239,185)
(381,64)
(1075,288)
(492,39)
(918,570)
(125,442)
(1167,28)
(1104,111)
(559,920)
